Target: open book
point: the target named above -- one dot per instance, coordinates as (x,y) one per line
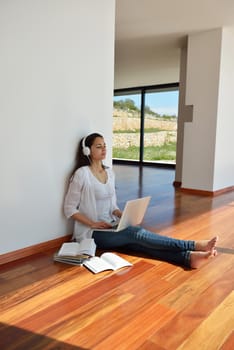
(107,261)
(75,253)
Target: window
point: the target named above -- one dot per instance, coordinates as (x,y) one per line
(127,126)
(145,124)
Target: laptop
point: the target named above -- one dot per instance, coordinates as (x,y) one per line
(132,215)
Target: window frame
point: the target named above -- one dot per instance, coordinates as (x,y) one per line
(142,90)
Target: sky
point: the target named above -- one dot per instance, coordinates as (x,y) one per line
(160,102)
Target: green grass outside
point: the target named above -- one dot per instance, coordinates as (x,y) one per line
(137,131)
(166,152)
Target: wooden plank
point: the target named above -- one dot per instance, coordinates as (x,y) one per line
(187,320)
(228,343)
(214,329)
(122,326)
(48,297)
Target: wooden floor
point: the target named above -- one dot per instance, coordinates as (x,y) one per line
(152,305)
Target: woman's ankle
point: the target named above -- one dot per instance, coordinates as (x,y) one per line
(197,259)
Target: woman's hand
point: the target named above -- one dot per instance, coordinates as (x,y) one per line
(117,213)
(101,224)
(93,224)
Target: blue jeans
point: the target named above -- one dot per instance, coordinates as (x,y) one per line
(136,238)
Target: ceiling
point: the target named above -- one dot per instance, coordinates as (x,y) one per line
(168,22)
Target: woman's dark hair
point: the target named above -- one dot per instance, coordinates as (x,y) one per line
(80,158)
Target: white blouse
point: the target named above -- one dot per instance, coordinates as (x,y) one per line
(90,197)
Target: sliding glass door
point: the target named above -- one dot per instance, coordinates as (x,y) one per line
(145,124)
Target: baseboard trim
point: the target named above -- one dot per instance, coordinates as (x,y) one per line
(34,249)
(207,193)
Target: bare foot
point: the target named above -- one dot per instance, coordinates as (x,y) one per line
(199,258)
(206,245)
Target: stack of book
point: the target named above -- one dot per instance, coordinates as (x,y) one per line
(83,253)
(76,253)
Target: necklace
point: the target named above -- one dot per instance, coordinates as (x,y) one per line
(100,174)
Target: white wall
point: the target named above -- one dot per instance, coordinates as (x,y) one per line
(208,140)
(56,68)
(144,66)
(202,84)
(224,161)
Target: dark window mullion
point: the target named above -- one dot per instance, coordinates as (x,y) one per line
(142,126)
